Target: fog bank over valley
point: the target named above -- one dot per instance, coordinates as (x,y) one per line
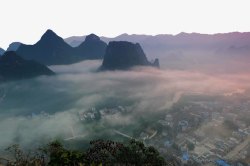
(49,107)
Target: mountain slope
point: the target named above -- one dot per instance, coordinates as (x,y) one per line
(1,51)
(14,46)
(123,55)
(92,47)
(49,50)
(53,50)
(13,67)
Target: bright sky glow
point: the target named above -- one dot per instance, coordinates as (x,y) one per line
(27,20)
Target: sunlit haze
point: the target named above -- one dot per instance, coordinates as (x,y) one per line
(27,20)
(125,82)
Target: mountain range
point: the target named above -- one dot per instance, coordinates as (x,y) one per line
(122,55)
(186,51)
(212,53)
(160,44)
(13,67)
(53,50)
(25,61)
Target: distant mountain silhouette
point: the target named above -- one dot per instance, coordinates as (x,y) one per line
(49,50)
(13,67)
(14,46)
(92,47)
(134,38)
(162,43)
(75,41)
(53,50)
(222,52)
(1,51)
(123,55)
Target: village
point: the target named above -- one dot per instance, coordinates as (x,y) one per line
(203,133)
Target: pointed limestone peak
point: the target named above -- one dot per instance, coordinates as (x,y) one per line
(51,36)
(49,32)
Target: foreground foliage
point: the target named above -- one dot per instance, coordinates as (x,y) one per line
(100,152)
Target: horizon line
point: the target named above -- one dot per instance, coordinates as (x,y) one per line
(180,33)
(142,34)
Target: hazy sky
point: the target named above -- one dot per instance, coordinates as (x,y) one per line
(27,20)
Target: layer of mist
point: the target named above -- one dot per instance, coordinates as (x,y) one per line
(34,111)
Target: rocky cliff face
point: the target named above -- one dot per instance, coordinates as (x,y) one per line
(13,67)
(122,55)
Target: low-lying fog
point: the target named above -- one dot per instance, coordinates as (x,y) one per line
(76,88)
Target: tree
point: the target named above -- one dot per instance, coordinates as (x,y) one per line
(60,156)
(20,158)
(100,152)
(135,153)
(103,152)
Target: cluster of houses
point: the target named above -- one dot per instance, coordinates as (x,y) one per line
(95,114)
(210,150)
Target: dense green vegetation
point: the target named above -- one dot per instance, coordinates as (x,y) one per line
(99,152)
